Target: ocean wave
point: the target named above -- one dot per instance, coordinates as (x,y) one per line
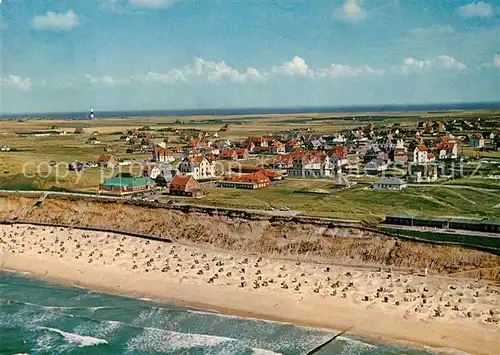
(356,344)
(80,340)
(257,351)
(156,340)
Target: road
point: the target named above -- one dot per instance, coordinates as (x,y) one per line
(458,187)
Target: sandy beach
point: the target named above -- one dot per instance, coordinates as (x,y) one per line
(436,311)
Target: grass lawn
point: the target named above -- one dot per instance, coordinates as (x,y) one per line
(358,202)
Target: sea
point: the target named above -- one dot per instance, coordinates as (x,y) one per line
(438,107)
(37,317)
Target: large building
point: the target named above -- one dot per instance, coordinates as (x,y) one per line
(311,164)
(198,166)
(251,181)
(126,183)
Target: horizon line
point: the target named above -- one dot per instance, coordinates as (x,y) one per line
(262,109)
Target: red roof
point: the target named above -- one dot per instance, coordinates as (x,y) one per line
(225,153)
(256,139)
(422,148)
(340,151)
(445,146)
(430,156)
(255,178)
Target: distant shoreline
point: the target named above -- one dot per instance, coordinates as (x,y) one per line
(439,107)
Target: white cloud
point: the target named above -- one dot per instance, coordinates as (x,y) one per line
(153,4)
(412,65)
(351,11)
(431,31)
(18,81)
(174,76)
(341,70)
(56,21)
(448,62)
(297,66)
(476,9)
(105,80)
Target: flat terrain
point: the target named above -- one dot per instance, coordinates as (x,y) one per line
(25,166)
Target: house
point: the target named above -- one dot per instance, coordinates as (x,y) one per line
(93,140)
(400,153)
(198,166)
(277,148)
(228,154)
(222,144)
(125,183)
(208,151)
(389,183)
(107,161)
(315,164)
(291,145)
(163,155)
(258,141)
(184,185)
(418,153)
(251,181)
(4,148)
(151,171)
(167,173)
(125,138)
(447,149)
(376,166)
(476,140)
(242,153)
(371,154)
(272,175)
(315,144)
(200,142)
(339,153)
(422,173)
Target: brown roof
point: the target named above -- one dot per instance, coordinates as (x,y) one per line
(104,158)
(164,151)
(179,182)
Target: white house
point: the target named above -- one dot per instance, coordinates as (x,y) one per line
(389,183)
(199,167)
(151,171)
(418,154)
(310,164)
(163,155)
(4,148)
(422,173)
(93,140)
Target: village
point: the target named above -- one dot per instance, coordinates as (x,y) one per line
(425,154)
(267,163)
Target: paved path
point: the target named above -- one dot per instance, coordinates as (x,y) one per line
(458,187)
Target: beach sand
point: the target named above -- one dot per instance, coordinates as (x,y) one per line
(436,311)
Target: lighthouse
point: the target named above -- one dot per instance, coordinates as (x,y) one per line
(91,114)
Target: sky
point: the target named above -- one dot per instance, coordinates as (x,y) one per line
(70,55)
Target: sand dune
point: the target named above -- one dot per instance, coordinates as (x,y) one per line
(463,314)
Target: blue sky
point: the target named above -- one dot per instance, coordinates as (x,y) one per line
(69,55)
